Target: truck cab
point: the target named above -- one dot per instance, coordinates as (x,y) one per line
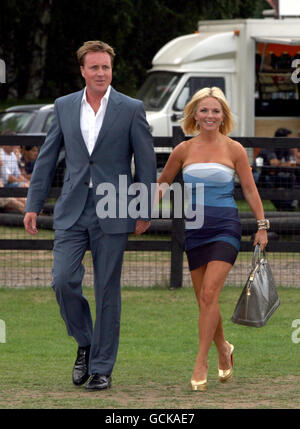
(179,69)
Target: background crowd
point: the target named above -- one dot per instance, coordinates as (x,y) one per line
(16,166)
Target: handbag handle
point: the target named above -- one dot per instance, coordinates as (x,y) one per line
(256,261)
(256,258)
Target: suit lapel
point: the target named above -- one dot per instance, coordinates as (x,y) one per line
(76,121)
(110,117)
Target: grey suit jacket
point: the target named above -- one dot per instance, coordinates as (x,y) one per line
(125,132)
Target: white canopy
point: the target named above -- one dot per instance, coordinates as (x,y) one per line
(292,41)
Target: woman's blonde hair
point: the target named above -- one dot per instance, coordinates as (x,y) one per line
(189,123)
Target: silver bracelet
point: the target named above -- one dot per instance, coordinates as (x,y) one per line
(263,224)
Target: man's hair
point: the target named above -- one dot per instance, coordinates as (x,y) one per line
(28,147)
(94,46)
(282,132)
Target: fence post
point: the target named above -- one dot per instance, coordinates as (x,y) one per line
(177,233)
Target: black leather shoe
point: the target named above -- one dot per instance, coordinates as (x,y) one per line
(81,366)
(99,382)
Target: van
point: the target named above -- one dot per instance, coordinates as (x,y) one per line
(254,61)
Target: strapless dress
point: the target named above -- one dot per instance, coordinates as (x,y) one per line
(210,190)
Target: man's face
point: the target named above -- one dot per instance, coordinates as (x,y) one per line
(9,149)
(97,72)
(32,154)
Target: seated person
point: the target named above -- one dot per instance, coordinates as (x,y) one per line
(272,177)
(10,172)
(12,204)
(284,155)
(277,177)
(27,160)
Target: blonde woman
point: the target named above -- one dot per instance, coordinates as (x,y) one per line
(211,159)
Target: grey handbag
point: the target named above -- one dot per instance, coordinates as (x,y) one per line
(259,298)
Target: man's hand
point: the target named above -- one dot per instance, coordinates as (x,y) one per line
(30,223)
(141,226)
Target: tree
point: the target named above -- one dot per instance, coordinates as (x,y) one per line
(39,51)
(39,38)
(93,20)
(23,46)
(8,11)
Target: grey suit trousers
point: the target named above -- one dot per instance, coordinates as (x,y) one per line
(107,252)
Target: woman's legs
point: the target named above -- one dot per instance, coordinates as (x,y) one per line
(208,281)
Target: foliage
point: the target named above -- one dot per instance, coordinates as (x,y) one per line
(39,43)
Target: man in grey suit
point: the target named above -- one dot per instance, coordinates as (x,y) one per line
(100,130)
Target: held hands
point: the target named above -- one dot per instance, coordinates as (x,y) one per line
(141,226)
(261,238)
(30,223)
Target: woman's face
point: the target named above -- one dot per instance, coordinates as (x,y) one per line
(209,114)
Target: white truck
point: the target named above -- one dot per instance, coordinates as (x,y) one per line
(254,61)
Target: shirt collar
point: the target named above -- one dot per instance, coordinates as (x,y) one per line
(105,96)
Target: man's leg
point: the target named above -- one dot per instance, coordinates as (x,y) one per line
(107,251)
(69,249)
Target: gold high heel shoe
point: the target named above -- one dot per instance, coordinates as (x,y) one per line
(226,374)
(199,385)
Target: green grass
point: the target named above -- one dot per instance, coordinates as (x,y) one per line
(158,346)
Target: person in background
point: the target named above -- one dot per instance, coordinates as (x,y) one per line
(28,157)
(11,204)
(276,177)
(10,173)
(285,156)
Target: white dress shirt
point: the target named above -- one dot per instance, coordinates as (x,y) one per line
(91,122)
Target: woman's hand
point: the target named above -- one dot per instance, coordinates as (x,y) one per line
(261,238)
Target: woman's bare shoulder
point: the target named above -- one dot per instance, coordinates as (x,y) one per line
(181,148)
(184,144)
(236,148)
(233,143)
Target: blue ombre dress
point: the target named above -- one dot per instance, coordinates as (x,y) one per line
(219,236)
